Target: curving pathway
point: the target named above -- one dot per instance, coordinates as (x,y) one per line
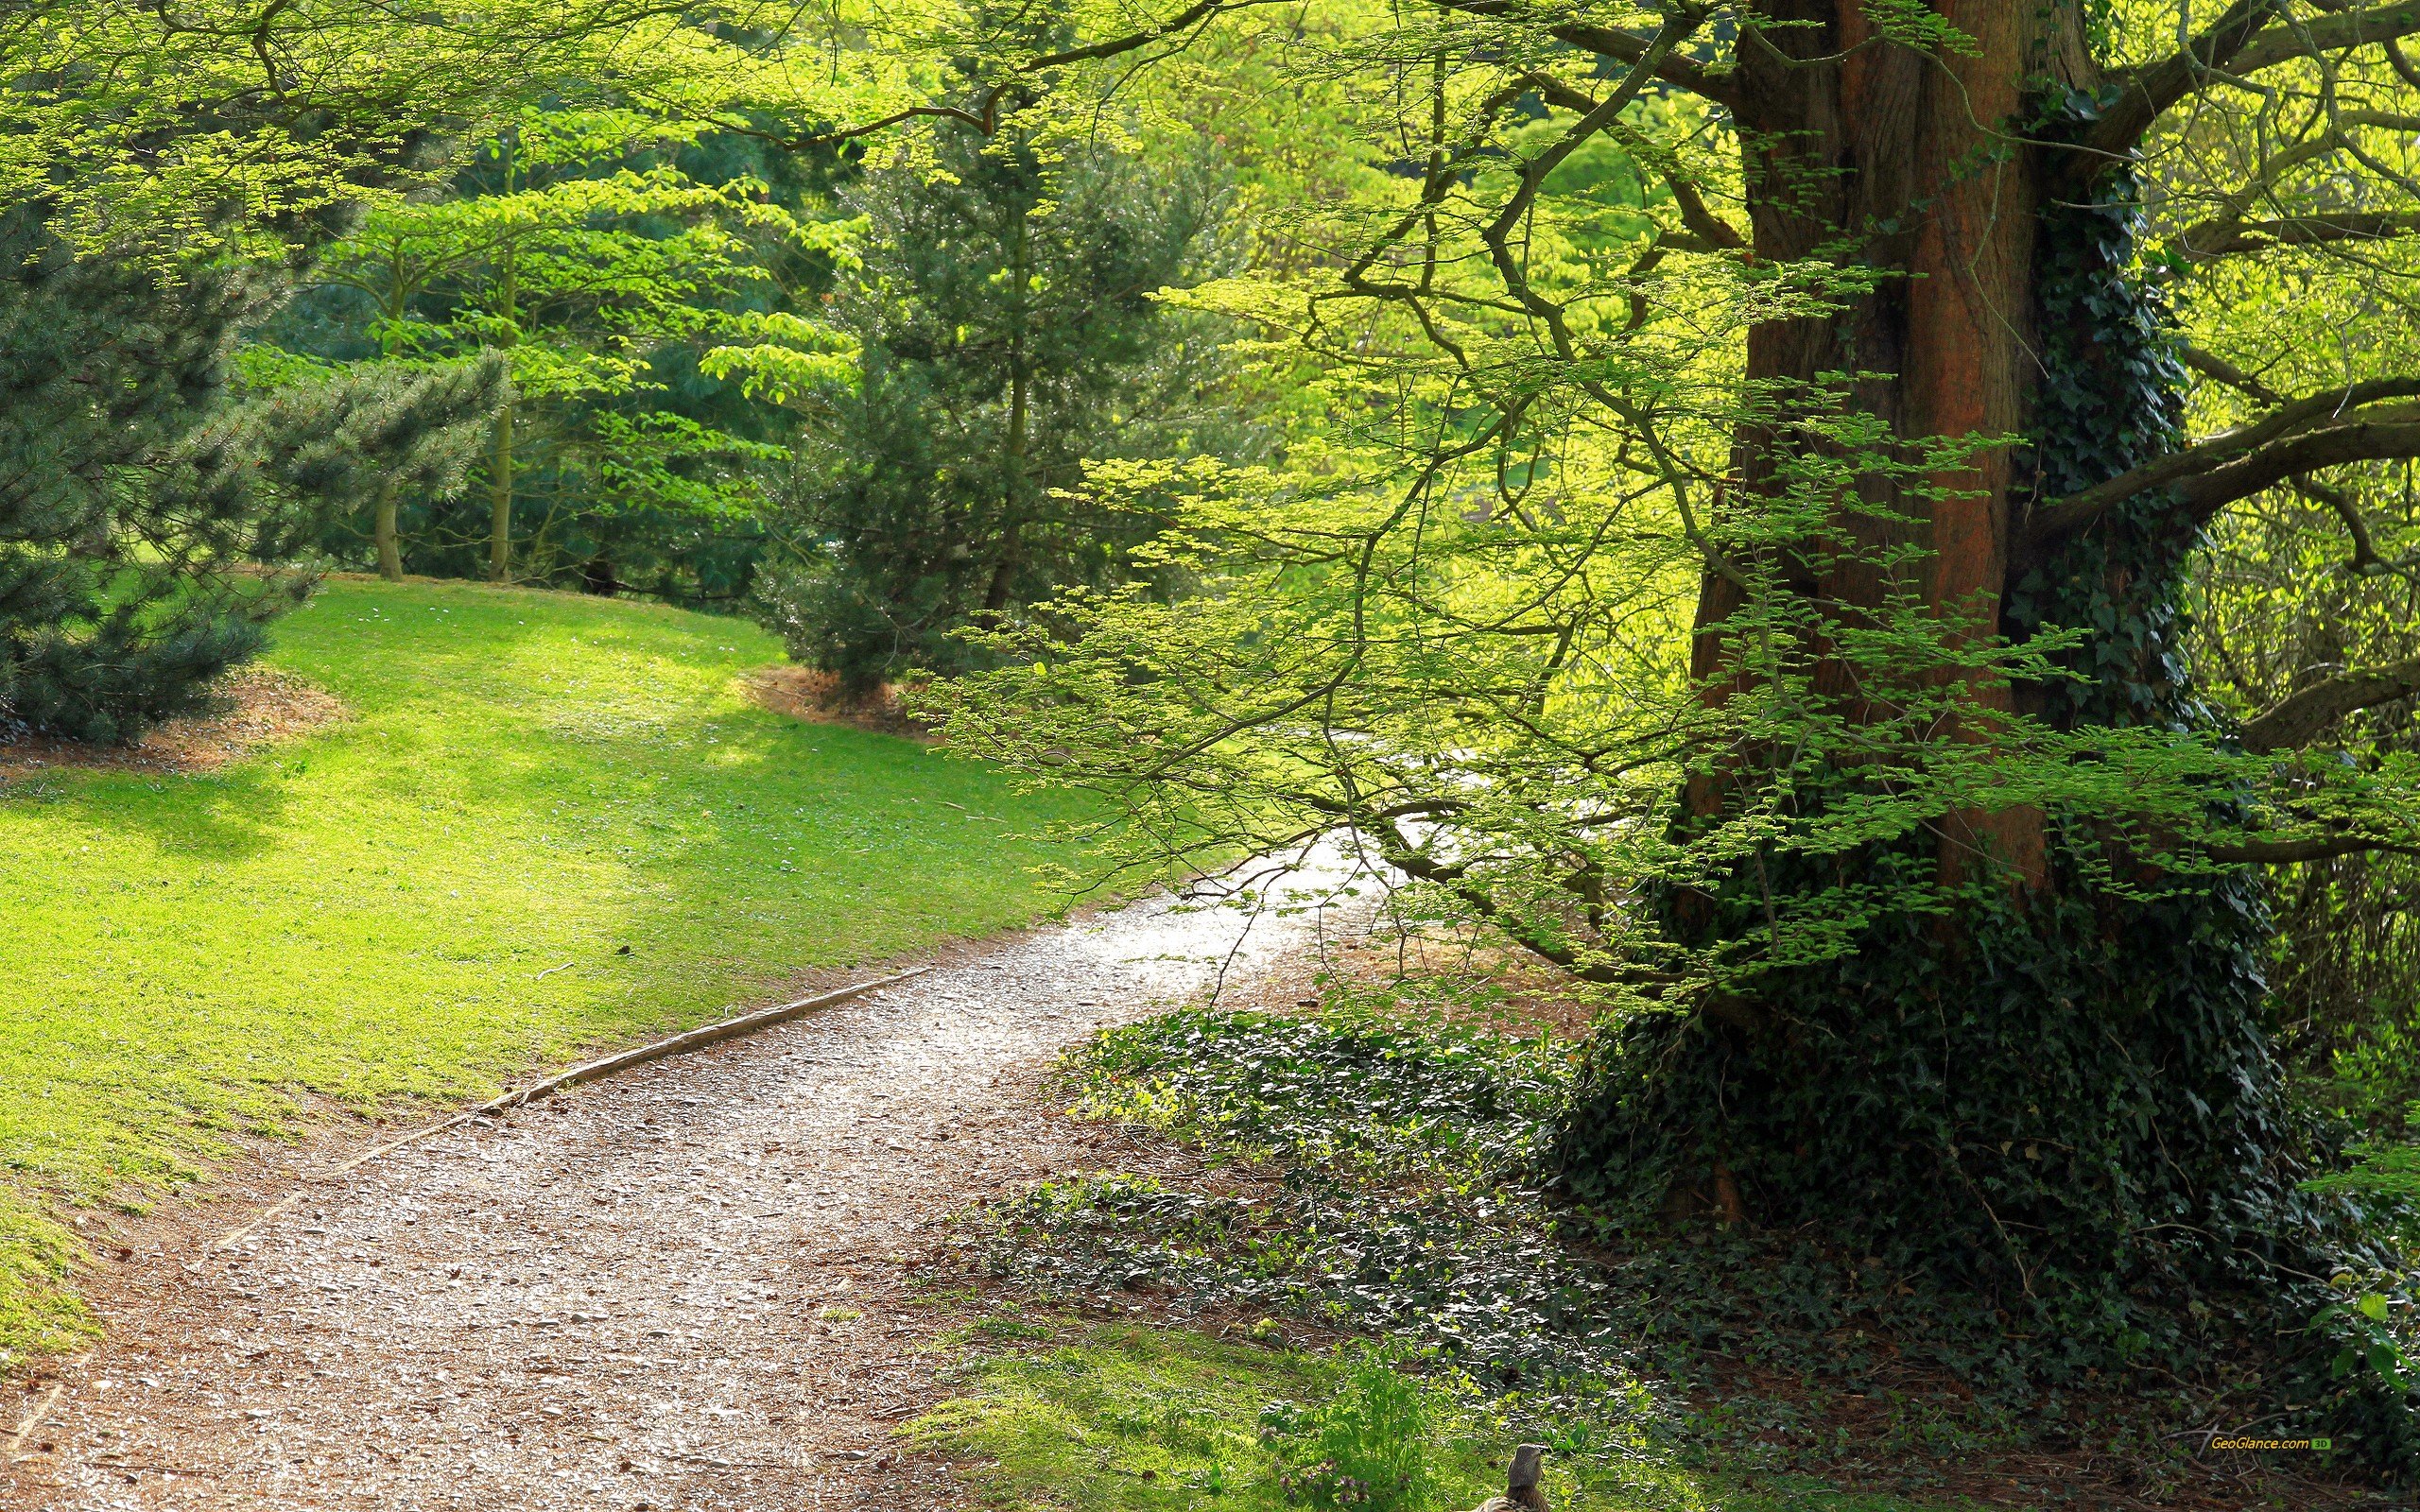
(681,1289)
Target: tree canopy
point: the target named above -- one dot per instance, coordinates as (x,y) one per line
(1861,532)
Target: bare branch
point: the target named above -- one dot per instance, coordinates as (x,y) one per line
(2214,239)
(2333,33)
(2295,720)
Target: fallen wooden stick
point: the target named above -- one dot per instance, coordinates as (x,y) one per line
(33,1420)
(590,1070)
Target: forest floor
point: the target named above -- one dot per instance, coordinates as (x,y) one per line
(749,1276)
(737,1280)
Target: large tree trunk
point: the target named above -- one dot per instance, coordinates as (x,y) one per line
(1915,157)
(2058,1096)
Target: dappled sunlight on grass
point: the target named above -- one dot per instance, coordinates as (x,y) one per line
(1124,1418)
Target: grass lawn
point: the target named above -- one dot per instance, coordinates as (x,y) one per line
(528,779)
(1128,1418)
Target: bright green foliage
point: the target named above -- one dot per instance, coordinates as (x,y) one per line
(1916,875)
(577,250)
(1008,334)
(524,778)
(1368,1445)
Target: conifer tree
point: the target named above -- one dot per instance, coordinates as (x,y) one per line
(1008,332)
(141,469)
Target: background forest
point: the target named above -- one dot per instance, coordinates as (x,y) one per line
(1867,549)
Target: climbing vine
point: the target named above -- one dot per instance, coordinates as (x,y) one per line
(2068,1108)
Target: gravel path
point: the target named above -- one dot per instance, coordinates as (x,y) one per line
(679,1289)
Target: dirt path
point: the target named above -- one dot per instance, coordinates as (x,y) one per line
(680,1289)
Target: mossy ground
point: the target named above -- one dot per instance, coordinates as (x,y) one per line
(526,779)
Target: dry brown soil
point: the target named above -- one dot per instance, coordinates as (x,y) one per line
(253,707)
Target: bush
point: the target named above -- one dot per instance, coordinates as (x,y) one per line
(1367,1446)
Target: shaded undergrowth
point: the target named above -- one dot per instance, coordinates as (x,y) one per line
(1372,1169)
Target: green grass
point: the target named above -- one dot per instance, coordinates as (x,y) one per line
(1151,1420)
(528,779)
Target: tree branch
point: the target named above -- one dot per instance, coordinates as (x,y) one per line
(1710,230)
(2348,515)
(2208,476)
(986,122)
(2286,852)
(2293,722)
(2150,90)
(1199,10)
(2210,365)
(1621,46)
(2212,239)
(850,133)
(2332,32)
(2240,41)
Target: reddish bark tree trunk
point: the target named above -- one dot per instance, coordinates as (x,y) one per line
(1914,164)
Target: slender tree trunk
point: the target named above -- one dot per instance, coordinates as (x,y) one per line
(500,498)
(397,302)
(1012,513)
(500,463)
(390,556)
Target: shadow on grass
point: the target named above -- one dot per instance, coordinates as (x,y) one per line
(216,816)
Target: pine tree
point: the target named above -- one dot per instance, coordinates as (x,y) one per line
(138,471)
(1008,332)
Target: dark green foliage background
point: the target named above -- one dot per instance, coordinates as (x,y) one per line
(910,518)
(136,471)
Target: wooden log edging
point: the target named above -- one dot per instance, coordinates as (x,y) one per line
(698,1039)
